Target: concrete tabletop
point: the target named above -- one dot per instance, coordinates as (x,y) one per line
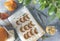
(54,22)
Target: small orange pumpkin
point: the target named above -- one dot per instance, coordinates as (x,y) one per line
(3,34)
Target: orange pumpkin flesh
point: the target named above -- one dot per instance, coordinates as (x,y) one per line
(3,34)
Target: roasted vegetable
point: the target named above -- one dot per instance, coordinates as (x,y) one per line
(4,16)
(10,5)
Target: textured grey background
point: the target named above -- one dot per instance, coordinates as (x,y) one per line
(54,22)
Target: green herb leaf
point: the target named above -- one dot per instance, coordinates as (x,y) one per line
(45,36)
(42,7)
(58,13)
(20,1)
(34,1)
(41,1)
(51,10)
(27,2)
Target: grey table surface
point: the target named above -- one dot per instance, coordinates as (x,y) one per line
(54,22)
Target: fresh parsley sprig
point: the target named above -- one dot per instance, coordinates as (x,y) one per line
(54,5)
